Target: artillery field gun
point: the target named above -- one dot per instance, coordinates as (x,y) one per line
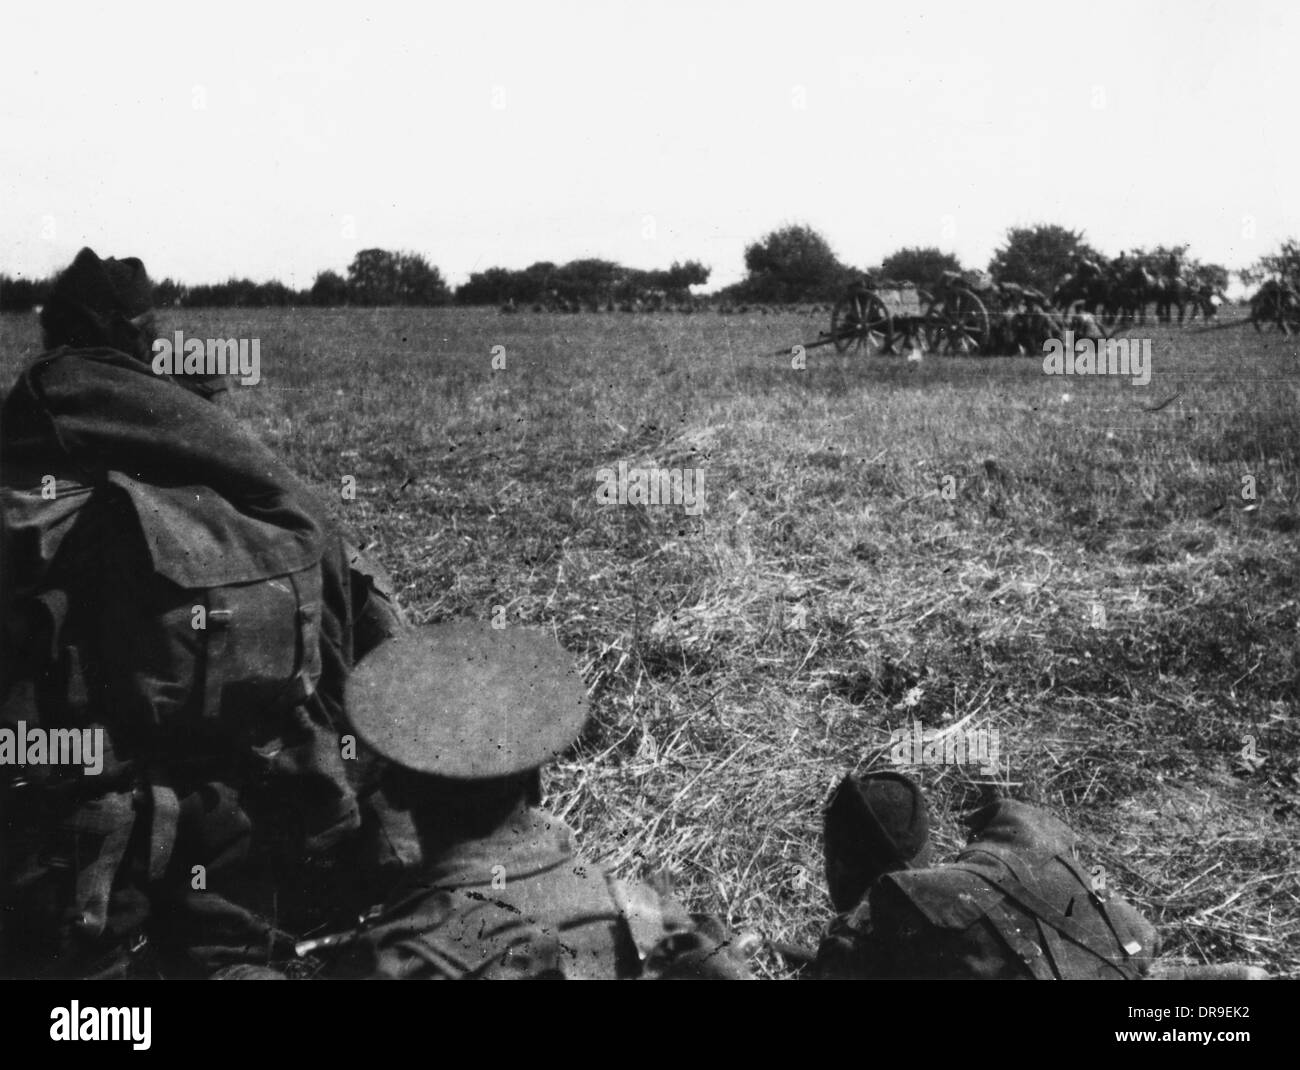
(966,314)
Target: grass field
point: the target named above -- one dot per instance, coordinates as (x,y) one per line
(1093,585)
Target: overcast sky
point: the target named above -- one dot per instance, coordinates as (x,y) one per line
(223,139)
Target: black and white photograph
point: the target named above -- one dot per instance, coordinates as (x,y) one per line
(680,491)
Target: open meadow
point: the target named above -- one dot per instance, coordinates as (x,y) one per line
(1104,573)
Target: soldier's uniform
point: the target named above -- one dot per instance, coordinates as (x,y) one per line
(159,499)
(522,904)
(1015,904)
(463,704)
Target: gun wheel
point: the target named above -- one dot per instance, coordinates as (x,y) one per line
(861,323)
(957,325)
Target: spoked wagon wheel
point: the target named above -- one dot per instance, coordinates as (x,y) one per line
(861,323)
(959,324)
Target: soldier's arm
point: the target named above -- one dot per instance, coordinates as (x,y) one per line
(849,949)
(673,944)
(704,952)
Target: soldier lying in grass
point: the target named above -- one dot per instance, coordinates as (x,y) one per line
(1014,904)
(468,716)
(172,586)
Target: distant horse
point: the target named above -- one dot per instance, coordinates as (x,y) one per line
(1206,292)
(1171,293)
(1092,292)
(1206,300)
(1132,289)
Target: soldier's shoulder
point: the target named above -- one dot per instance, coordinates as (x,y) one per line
(76,359)
(948,897)
(1020,827)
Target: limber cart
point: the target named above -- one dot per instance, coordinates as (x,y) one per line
(898,317)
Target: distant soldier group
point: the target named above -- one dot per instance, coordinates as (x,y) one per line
(298,783)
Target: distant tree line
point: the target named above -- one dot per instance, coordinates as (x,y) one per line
(795,264)
(791,265)
(380,277)
(21,295)
(375,277)
(1283,266)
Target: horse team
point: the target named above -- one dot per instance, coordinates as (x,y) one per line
(1120,290)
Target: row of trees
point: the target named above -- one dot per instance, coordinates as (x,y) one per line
(793,264)
(796,264)
(375,277)
(1283,265)
(380,277)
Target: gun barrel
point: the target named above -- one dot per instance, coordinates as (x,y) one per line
(787,350)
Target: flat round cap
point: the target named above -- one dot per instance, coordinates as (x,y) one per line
(466,700)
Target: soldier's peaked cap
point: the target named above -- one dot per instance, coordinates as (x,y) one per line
(465,700)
